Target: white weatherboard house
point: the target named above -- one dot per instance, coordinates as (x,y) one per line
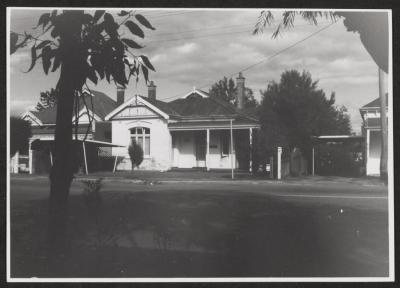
(194,131)
(371,130)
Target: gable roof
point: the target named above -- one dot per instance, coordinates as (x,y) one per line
(143,100)
(163,106)
(102,105)
(197,104)
(375,103)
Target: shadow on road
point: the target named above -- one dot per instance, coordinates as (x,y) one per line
(203,234)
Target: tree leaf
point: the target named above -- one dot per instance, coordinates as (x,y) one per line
(53,15)
(55,32)
(13,42)
(43,20)
(46,58)
(146,62)
(135,29)
(42,44)
(91,74)
(97,15)
(97,61)
(108,18)
(123,13)
(131,43)
(87,18)
(107,72)
(145,73)
(57,61)
(34,58)
(142,20)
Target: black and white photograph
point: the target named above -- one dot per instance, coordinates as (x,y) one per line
(199,145)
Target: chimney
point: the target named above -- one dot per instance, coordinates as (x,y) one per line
(152,91)
(240,91)
(120,95)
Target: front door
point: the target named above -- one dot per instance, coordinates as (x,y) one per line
(200,148)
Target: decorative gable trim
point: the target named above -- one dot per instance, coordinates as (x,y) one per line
(86,91)
(134,100)
(195,91)
(30,115)
(83,111)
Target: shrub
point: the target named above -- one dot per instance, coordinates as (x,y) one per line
(92,196)
(136,154)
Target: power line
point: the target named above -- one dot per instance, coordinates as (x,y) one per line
(197,37)
(265,59)
(208,35)
(206,28)
(172,14)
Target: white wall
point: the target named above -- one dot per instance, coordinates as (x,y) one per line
(160,143)
(184,151)
(374,152)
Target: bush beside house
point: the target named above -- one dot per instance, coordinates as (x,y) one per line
(136,154)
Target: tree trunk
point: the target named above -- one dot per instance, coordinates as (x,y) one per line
(62,171)
(384,128)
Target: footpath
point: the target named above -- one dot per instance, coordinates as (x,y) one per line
(198,177)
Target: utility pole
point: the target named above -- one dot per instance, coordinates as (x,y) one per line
(384,127)
(233,176)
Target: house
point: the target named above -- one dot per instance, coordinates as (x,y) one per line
(371,130)
(194,131)
(97,132)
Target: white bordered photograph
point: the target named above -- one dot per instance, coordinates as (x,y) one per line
(199,145)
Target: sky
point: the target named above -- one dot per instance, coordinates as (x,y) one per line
(196,48)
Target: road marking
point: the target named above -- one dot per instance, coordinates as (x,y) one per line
(331,196)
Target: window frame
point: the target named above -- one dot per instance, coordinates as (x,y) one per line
(140,138)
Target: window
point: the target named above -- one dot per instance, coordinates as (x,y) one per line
(141,136)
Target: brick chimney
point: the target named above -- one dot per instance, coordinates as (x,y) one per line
(152,91)
(240,91)
(120,95)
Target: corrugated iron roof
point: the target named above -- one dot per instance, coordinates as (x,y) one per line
(102,105)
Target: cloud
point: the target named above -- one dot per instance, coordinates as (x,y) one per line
(21,105)
(197,48)
(186,48)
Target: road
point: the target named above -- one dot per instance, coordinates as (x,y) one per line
(228,229)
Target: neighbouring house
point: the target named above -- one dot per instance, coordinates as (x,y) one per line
(194,131)
(371,130)
(97,132)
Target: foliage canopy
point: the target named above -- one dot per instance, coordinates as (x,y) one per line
(294,110)
(225,89)
(20,132)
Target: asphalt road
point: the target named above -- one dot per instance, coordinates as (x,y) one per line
(369,196)
(221,229)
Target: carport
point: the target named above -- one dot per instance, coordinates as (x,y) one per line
(326,140)
(47,146)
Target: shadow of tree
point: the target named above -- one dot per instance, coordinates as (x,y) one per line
(209,234)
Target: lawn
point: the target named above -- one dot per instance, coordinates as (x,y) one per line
(202,233)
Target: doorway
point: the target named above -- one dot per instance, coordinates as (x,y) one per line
(200,148)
